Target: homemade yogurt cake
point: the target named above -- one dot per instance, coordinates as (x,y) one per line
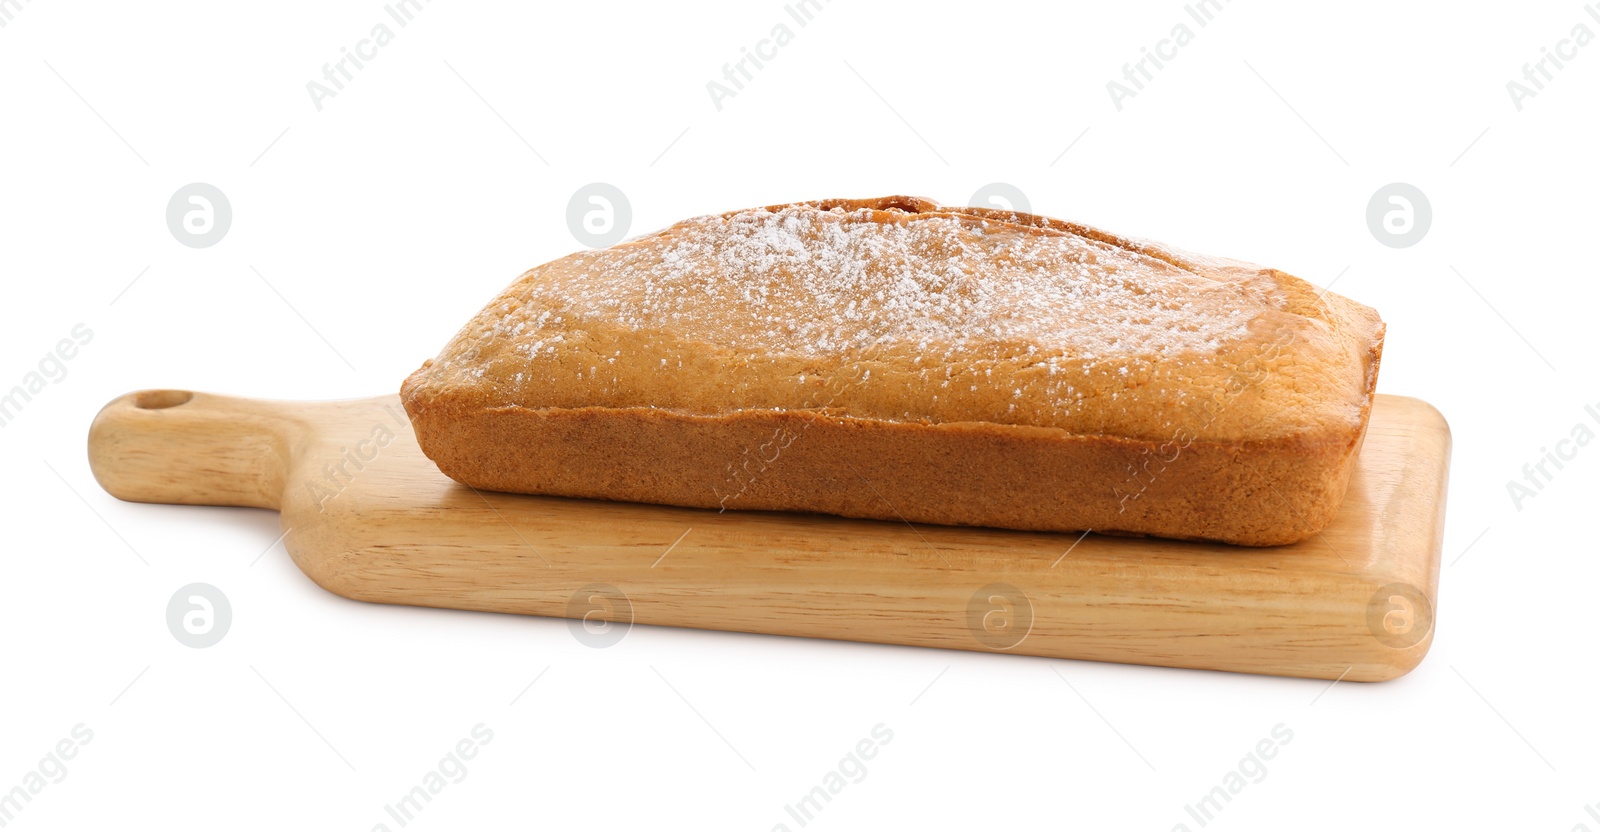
(897,359)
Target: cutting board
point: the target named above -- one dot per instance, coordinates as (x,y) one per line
(368,517)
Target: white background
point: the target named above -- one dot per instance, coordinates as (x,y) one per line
(381,223)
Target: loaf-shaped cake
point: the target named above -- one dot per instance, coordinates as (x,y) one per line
(901,360)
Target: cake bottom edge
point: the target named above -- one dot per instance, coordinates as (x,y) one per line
(1252,493)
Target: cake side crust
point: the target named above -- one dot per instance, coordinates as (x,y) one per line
(1255,493)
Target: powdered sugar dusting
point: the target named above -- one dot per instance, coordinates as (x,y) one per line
(926,314)
(827,283)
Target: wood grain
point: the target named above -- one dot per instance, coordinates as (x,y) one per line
(367,516)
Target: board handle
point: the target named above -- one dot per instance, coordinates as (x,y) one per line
(177,446)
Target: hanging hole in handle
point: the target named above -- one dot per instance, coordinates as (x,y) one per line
(161,399)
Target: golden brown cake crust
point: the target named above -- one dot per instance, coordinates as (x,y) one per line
(896,359)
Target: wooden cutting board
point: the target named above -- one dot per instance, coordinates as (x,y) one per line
(367,516)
